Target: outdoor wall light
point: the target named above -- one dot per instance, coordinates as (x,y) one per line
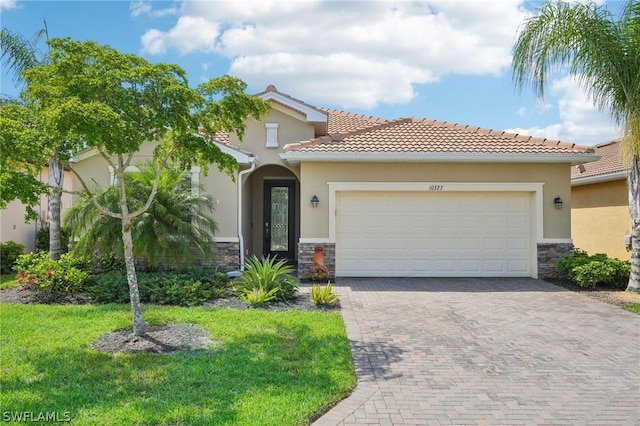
(557,202)
(314,201)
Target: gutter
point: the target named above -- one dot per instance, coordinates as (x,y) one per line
(240,237)
(599,178)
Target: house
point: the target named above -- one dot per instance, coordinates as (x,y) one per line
(600,203)
(407,197)
(12,224)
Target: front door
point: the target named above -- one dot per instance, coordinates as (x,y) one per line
(279,219)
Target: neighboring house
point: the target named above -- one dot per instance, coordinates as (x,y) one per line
(600,203)
(12,224)
(408,197)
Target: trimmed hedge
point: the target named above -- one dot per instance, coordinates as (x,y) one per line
(184,288)
(9,253)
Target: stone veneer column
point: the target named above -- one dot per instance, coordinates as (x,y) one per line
(305,258)
(548,256)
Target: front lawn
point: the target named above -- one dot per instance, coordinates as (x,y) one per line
(267,368)
(633,307)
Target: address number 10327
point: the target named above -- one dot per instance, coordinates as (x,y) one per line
(436,187)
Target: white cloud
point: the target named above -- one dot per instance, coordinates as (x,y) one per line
(581,122)
(353,53)
(140,7)
(8,4)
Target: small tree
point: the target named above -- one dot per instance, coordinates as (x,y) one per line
(178,220)
(93,97)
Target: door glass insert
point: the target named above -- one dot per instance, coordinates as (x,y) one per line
(279,219)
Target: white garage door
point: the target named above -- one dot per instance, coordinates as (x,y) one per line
(426,234)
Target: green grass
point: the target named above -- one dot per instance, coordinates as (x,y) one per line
(8,281)
(268,368)
(633,307)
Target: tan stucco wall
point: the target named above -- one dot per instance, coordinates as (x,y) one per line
(12,224)
(314,178)
(600,218)
(290,130)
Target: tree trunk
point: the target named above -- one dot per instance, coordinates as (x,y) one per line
(56,178)
(132,279)
(634,210)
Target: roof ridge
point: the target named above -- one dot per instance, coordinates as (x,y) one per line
(351,114)
(337,137)
(533,140)
(271,88)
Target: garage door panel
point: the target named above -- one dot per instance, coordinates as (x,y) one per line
(427,234)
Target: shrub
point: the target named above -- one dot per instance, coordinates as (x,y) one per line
(267,274)
(9,253)
(318,275)
(258,295)
(42,239)
(50,278)
(323,295)
(597,270)
(184,288)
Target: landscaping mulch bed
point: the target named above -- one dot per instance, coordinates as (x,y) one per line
(607,295)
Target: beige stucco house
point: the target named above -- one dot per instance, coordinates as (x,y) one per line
(12,224)
(407,197)
(600,203)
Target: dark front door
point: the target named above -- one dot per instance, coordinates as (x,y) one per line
(279,219)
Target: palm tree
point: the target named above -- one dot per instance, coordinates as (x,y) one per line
(19,55)
(178,220)
(602,53)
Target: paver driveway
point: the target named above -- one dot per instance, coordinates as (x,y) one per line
(487,351)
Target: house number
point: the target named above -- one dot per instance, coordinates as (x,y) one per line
(436,187)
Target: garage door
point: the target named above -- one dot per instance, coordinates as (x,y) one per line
(396,234)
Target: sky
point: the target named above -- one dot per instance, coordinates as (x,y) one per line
(447,60)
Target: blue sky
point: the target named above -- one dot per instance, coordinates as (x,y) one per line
(442,59)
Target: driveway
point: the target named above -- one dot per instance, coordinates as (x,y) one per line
(486,352)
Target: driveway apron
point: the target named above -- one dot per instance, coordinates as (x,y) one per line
(486,352)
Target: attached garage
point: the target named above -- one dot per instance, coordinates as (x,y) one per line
(434,233)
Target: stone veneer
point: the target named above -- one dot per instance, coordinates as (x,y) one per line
(548,255)
(227,255)
(305,258)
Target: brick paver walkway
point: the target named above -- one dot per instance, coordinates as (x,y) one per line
(486,352)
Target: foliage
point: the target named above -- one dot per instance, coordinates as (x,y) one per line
(632,307)
(184,288)
(318,275)
(9,253)
(50,278)
(42,239)
(323,295)
(258,295)
(602,53)
(266,368)
(23,154)
(19,55)
(267,274)
(92,97)
(596,270)
(177,220)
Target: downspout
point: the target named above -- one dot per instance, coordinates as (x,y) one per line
(240,237)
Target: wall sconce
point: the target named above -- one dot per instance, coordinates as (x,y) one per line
(557,202)
(314,201)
